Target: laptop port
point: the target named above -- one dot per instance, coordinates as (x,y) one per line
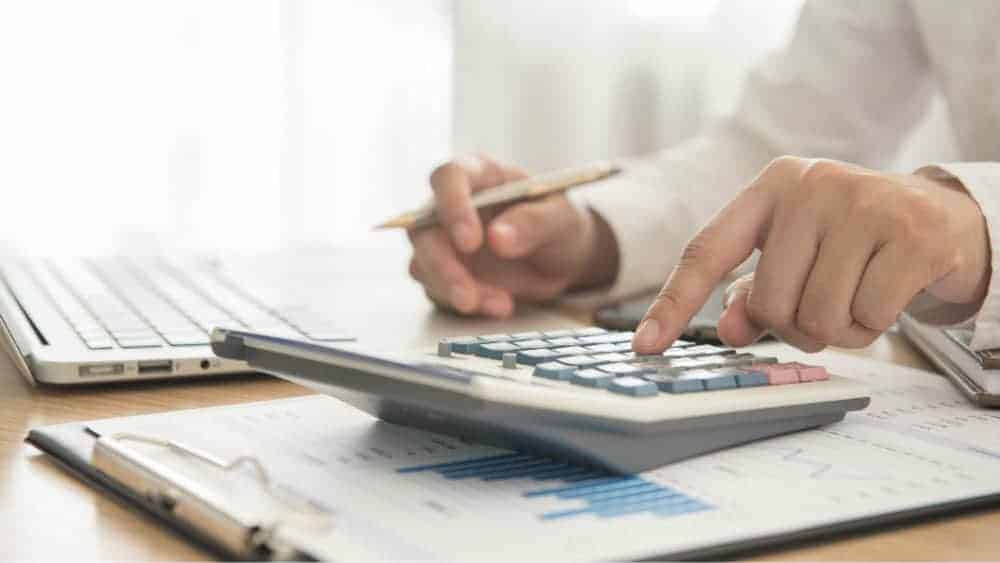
(155,366)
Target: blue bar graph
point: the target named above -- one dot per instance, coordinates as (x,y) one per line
(603,494)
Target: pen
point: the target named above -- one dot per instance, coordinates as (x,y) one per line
(533,187)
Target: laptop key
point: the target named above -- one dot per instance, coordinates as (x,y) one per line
(186,339)
(140,342)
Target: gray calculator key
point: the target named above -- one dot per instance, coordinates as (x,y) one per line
(570,351)
(494,338)
(530,344)
(554,370)
(612,357)
(557,333)
(623,347)
(563,341)
(621,369)
(533,335)
(680,343)
(602,348)
(609,338)
(495,350)
(582,361)
(713,380)
(535,356)
(588,331)
(633,386)
(671,384)
(591,378)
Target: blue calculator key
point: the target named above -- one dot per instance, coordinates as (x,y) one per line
(534,335)
(591,378)
(536,356)
(464,345)
(531,344)
(671,384)
(554,370)
(582,361)
(633,386)
(495,350)
(713,380)
(563,341)
(589,331)
(751,379)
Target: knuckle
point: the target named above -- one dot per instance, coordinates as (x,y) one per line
(822,172)
(873,318)
(765,313)
(783,163)
(817,326)
(445,174)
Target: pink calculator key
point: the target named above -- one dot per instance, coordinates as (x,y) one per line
(778,374)
(810,373)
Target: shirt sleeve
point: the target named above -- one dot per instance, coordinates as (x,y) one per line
(982,181)
(804,100)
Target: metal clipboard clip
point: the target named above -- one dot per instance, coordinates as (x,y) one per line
(198,506)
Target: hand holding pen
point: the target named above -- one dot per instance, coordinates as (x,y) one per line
(481,260)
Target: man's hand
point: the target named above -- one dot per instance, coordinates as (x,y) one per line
(843,251)
(481,262)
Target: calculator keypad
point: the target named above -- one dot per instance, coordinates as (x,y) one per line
(598,359)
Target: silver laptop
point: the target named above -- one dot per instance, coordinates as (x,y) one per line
(78,321)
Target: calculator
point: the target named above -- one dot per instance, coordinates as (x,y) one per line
(578,395)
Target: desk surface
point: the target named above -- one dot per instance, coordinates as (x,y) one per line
(50,515)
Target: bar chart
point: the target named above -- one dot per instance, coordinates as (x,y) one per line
(585,491)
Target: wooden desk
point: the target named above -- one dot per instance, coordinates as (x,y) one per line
(48,514)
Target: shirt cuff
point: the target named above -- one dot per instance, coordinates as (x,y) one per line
(650,225)
(982,182)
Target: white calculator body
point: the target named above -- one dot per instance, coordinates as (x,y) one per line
(574,395)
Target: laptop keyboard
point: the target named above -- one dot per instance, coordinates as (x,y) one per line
(149,303)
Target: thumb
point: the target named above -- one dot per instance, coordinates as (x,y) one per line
(735,327)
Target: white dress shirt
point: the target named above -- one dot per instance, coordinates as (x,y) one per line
(855,78)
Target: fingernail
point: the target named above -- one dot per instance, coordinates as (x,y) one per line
(495,305)
(462,232)
(647,335)
(462,298)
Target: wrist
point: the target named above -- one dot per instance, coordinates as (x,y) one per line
(600,254)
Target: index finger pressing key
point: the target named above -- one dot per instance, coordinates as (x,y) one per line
(721,245)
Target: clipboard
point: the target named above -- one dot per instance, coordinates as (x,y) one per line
(396,492)
(115,466)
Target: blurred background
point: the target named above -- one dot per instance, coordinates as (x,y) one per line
(253,124)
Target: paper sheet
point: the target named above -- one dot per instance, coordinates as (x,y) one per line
(920,443)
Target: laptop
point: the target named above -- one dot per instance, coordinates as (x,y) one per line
(975,372)
(130,318)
